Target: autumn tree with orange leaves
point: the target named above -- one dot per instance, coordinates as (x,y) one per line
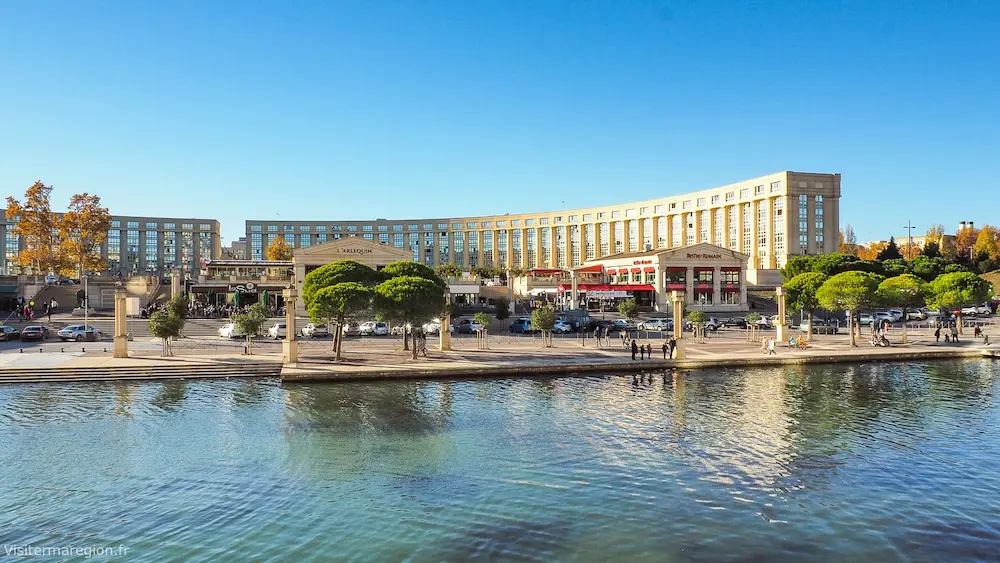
(83,229)
(38,227)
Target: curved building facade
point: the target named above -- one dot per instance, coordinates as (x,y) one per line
(768,219)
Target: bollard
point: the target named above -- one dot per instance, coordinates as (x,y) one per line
(39,350)
(20,350)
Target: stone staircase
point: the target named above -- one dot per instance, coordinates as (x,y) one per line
(139,373)
(65,296)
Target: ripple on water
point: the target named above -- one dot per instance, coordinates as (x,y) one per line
(884,462)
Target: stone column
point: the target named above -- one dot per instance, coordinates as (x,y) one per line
(524,249)
(574,297)
(640,234)
(175,282)
(754,229)
(289,346)
(716,286)
(726,239)
(769,260)
(553,249)
(697,227)
(689,284)
(121,327)
(684,229)
(678,301)
(611,236)
(444,335)
(782,329)
(597,240)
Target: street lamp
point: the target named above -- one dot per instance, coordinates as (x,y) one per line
(909,239)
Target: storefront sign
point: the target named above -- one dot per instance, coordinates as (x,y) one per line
(704,256)
(641,262)
(249,287)
(353,250)
(606,294)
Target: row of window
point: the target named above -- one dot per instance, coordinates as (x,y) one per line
(153,225)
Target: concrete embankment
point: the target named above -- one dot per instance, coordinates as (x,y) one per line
(188,370)
(584,365)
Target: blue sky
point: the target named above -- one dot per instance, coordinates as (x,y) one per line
(344,110)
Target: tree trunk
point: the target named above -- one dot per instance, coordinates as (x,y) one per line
(249,344)
(414,351)
(809,325)
(850,327)
(406,338)
(904,325)
(958,320)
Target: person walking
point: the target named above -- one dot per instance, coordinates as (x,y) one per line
(642,351)
(937,334)
(635,350)
(770,346)
(664,349)
(954,332)
(671,344)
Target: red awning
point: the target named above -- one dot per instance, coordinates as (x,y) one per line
(703,290)
(636,270)
(730,268)
(676,269)
(731,289)
(604,287)
(676,286)
(704,269)
(649,269)
(633,287)
(612,272)
(591,269)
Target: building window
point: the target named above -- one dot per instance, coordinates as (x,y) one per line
(619,237)
(734,228)
(170,249)
(152,251)
(703,231)
(429,248)
(675,231)
(306,228)
(459,237)
(322,228)
(803,223)
(557,219)
(747,230)
(415,246)
(715,199)
(574,245)
(397,228)
(588,217)
(290,239)
(650,278)
(152,226)
(744,193)
(187,251)
(775,187)
(588,233)
(661,232)
(730,196)
(135,225)
(515,248)
(690,234)
(717,231)
(657,209)
(544,221)
(730,277)
(487,224)
(383,238)
(428,227)
(686,204)
(271,228)
(256,246)
(675,277)
(702,298)
(730,298)
(529,222)
(819,224)
(647,234)
(757,190)
(701,202)
(114,249)
(305,239)
(383,228)
(502,249)
(487,248)
(132,249)
(629,213)
(779,232)
(444,247)
(114,224)
(473,249)
(336,228)
(412,227)
(615,214)
(546,244)
(501,223)
(320,238)
(703,277)
(605,248)
(529,241)
(397,240)
(633,236)
(288,228)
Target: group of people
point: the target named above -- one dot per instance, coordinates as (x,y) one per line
(880,331)
(645,351)
(950,332)
(25,308)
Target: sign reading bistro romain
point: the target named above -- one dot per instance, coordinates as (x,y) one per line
(704,256)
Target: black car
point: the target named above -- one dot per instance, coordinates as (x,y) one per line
(34,332)
(8,333)
(738,322)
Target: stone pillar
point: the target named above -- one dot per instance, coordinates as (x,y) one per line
(678,301)
(669,235)
(689,284)
(611,236)
(444,335)
(121,326)
(716,287)
(754,229)
(574,296)
(697,227)
(289,346)
(782,329)
(726,239)
(684,229)
(553,248)
(175,282)
(769,260)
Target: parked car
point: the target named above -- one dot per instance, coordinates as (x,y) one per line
(467,326)
(916,314)
(374,328)
(897,315)
(820,327)
(983,310)
(623,324)
(866,318)
(277,330)
(434,327)
(562,327)
(885,316)
(398,330)
(655,325)
(315,331)
(8,333)
(79,333)
(34,332)
(520,326)
(735,322)
(228,330)
(352,329)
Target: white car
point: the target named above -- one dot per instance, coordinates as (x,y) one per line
(315,330)
(78,333)
(655,325)
(277,330)
(885,316)
(866,318)
(562,327)
(228,330)
(984,310)
(916,314)
(897,315)
(970,311)
(434,327)
(374,328)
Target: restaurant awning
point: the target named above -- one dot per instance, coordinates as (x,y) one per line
(596,269)
(612,272)
(649,269)
(636,270)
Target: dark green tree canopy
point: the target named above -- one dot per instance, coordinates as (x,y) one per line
(932,250)
(802,290)
(340,271)
(957,289)
(347,300)
(412,269)
(833,264)
(849,291)
(543,318)
(411,299)
(164,324)
(895,267)
(890,252)
(906,290)
(502,305)
(797,265)
(629,308)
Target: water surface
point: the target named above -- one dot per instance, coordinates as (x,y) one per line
(883,462)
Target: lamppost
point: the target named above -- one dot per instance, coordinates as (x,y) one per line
(909,239)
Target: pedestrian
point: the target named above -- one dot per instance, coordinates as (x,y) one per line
(672,343)
(770,346)
(48,311)
(664,349)
(642,351)
(763,346)
(986,339)
(635,350)
(954,332)
(937,334)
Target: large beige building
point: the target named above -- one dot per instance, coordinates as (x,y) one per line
(768,219)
